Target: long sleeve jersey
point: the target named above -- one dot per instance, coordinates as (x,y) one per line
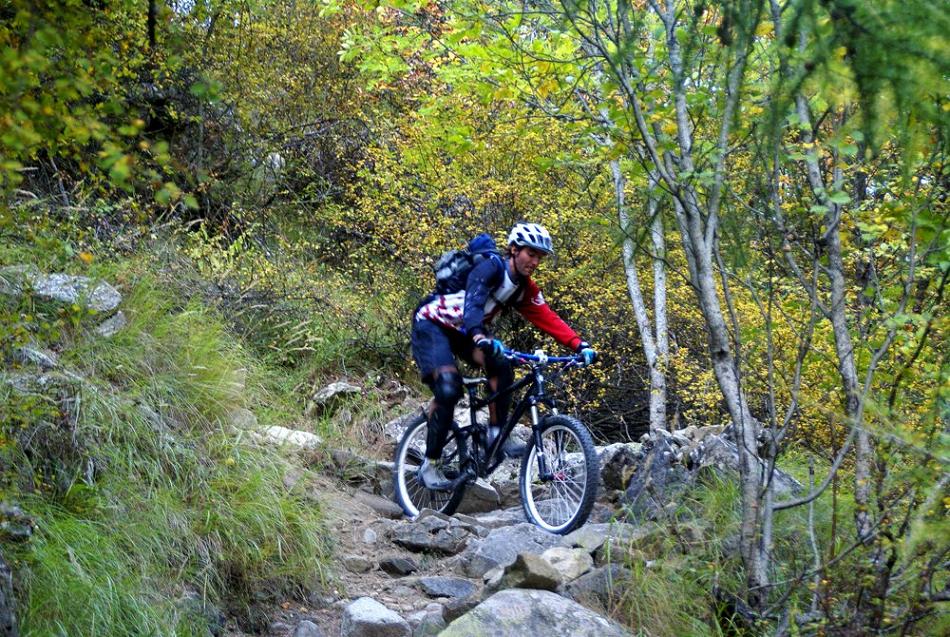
(489,289)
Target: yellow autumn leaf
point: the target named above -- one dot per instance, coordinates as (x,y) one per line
(86,257)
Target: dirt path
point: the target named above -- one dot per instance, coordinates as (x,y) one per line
(360,542)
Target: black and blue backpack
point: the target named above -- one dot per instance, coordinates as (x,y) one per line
(453,267)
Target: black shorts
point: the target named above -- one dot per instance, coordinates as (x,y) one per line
(435,346)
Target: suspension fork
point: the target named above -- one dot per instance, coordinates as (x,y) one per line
(538,397)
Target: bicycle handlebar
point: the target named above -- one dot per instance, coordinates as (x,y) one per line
(540,357)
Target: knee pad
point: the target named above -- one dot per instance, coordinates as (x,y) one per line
(447,388)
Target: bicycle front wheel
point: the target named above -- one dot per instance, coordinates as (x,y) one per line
(411,494)
(560,499)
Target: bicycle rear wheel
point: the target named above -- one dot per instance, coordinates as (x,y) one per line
(561,502)
(411,493)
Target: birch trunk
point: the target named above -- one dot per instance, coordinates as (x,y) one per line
(837,314)
(655,345)
(658,369)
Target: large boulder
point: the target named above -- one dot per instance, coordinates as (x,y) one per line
(444,586)
(569,563)
(617,463)
(530,570)
(503,545)
(657,481)
(599,587)
(368,618)
(719,454)
(480,497)
(518,612)
(432,533)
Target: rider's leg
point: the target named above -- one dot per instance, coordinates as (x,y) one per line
(500,376)
(432,351)
(446,387)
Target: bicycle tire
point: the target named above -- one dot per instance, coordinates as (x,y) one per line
(565,502)
(410,493)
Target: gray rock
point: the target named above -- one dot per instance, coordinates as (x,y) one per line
(592,536)
(620,544)
(657,481)
(498,519)
(369,536)
(441,586)
(320,600)
(382,506)
(15,524)
(516,613)
(307,628)
(458,606)
(334,390)
(600,586)
(493,579)
(356,563)
(479,497)
(398,566)
(532,571)
(570,563)
(276,434)
(427,622)
(67,288)
(112,325)
(14,278)
(404,592)
(44,359)
(242,418)
(472,524)
(395,429)
(368,618)
(431,534)
(618,462)
(503,545)
(720,454)
(701,433)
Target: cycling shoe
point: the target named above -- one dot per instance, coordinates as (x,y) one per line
(432,477)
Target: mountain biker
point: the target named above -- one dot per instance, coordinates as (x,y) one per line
(449,325)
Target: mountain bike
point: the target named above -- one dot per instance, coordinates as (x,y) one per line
(559,469)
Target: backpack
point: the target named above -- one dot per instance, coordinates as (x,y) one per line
(453,267)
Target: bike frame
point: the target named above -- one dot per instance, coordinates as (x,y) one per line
(486,460)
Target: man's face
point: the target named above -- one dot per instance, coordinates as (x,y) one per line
(527,260)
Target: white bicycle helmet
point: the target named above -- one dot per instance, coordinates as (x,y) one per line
(531,235)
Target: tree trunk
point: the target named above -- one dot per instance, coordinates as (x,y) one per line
(849,380)
(651,343)
(658,369)
(151,22)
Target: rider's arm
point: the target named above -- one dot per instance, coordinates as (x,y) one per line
(533,307)
(483,278)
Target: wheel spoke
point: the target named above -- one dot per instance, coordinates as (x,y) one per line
(411,492)
(556,503)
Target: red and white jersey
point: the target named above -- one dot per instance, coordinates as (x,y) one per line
(490,289)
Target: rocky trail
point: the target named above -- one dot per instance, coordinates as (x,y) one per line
(486,570)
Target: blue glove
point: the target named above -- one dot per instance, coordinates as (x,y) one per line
(491,346)
(586,352)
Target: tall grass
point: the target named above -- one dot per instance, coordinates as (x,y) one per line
(171,504)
